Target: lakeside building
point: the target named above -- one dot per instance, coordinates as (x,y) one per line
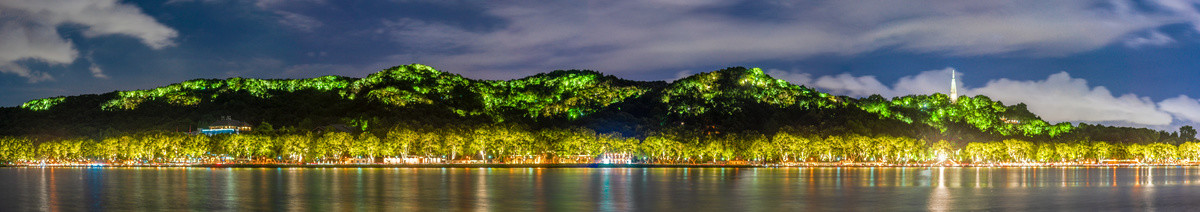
(226,126)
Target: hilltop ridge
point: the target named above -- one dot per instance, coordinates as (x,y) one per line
(734,99)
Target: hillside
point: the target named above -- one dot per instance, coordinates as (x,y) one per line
(731,100)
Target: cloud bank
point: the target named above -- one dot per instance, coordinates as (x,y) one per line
(1062,98)
(1058,98)
(1183,107)
(28,31)
(651,35)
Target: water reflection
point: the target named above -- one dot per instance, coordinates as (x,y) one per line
(940,199)
(605,189)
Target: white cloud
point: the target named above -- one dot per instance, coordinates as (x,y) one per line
(33,76)
(625,36)
(282,3)
(1058,98)
(1155,38)
(250,67)
(95,68)
(287,17)
(174,2)
(97,72)
(426,36)
(927,82)
(795,77)
(298,21)
(316,70)
(41,43)
(28,30)
(284,10)
(682,74)
(1183,107)
(847,84)
(1062,98)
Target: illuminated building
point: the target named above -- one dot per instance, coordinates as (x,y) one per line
(226,126)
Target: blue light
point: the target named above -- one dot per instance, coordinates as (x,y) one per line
(218,131)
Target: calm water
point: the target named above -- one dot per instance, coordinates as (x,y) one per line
(604,189)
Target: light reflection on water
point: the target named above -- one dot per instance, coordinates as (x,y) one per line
(605,189)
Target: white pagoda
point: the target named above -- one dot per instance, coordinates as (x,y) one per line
(953,87)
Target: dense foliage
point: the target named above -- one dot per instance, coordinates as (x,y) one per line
(515,144)
(730,114)
(979,111)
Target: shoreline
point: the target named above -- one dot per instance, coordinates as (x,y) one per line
(573,166)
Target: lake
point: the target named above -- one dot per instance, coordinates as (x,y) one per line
(604,189)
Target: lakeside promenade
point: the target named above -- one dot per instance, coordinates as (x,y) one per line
(590,165)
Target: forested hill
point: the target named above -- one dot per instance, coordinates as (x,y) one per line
(728,101)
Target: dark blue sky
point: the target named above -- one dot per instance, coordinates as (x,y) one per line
(1130,63)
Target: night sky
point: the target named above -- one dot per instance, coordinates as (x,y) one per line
(1128,63)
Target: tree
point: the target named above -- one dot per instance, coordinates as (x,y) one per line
(367,145)
(1102,150)
(1189,151)
(264,128)
(453,139)
(761,150)
(400,141)
(332,145)
(790,145)
(977,152)
(15,149)
(1187,132)
(941,150)
(1018,150)
(294,147)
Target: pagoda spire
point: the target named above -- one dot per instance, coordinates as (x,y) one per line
(953,86)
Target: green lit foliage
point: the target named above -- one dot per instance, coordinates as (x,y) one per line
(1101,150)
(193,92)
(16,149)
(1189,151)
(664,148)
(366,145)
(400,142)
(398,97)
(1018,150)
(1013,150)
(980,112)
(730,114)
(249,146)
(294,147)
(739,99)
(572,93)
(727,91)
(63,150)
(1155,152)
(43,104)
(409,84)
(1046,153)
(940,148)
(792,146)
(331,145)
(1122,134)
(572,142)
(500,142)
(983,152)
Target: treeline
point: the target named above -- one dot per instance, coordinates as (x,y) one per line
(734,99)
(730,114)
(499,143)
